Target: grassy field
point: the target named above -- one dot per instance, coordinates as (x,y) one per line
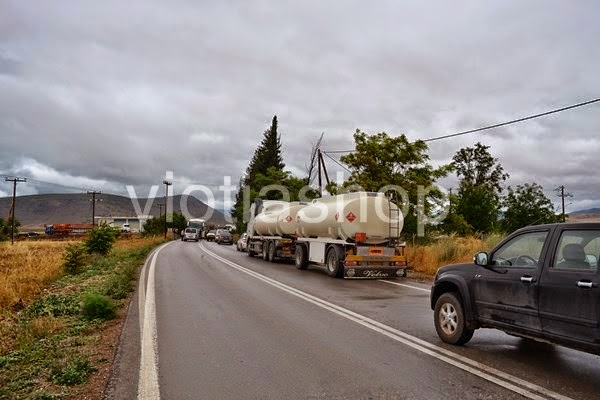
(426,259)
(26,267)
(51,345)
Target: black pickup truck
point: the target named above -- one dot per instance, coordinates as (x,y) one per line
(541,282)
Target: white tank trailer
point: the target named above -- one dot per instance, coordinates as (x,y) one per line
(353,235)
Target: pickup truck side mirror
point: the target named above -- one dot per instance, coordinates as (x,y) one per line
(481,258)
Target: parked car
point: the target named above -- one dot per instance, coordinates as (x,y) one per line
(210,236)
(190,234)
(242,243)
(223,236)
(541,282)
(126,228)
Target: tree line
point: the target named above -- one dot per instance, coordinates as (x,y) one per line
(482,202)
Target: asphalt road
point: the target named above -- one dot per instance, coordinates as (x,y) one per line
(208,322)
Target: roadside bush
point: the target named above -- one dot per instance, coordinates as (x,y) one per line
(101,240)
(44,395)
(118,286)
(53,306)
(97,306)
(74,258)
(74,372)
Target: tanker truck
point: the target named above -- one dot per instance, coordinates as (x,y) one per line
(353,235)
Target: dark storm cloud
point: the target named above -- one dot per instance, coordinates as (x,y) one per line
(113,93)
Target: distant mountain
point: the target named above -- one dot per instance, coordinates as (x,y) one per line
(35,211)
(588,211)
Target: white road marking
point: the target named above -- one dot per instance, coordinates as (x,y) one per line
(405,285)
(488,373)
(148,387)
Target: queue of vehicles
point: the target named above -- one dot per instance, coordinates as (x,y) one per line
(541,282)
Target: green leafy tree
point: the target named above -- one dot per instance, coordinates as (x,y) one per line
(282,179)
(381,160)
(6,228)
(527,205)
(454,222)
(481,181)
(156,225)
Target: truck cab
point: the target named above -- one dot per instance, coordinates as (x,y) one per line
(541,282)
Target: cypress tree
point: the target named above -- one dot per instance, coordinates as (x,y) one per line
(266,155)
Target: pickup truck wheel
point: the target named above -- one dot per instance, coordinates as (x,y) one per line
(265,251)
(449,319)
(301,257)
(334,262)
(272,252)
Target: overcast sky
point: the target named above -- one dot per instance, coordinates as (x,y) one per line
(104,94)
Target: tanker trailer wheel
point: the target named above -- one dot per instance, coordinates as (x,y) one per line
(301,257)
(265,251)
(334,262)
(272,252)
(251,252)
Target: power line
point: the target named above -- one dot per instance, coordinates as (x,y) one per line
(337,162)
(514,121)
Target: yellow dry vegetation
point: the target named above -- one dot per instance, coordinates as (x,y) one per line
(428,258)
(27,266)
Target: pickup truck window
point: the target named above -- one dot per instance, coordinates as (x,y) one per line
(521,251)
(578,249)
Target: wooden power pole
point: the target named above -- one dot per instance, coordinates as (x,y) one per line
(13,207)
(167,184)
(93,193)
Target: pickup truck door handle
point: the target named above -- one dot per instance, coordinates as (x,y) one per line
(527,279)
(586,284)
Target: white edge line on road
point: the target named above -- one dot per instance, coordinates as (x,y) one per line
(142,288)
(490,374)
(405,285)
(148,388)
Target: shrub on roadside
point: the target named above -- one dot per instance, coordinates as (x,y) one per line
(97,306)
(101,240)
(74,258)
(118,286)
(53,305)
(74,372)
(44,395)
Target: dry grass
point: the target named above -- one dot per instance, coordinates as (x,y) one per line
(27,266)
(134,242)
(427,259)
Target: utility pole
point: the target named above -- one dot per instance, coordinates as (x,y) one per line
(167,184)
(320,178)
(14,180)
(94,193)
(160,206)
(560,191)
